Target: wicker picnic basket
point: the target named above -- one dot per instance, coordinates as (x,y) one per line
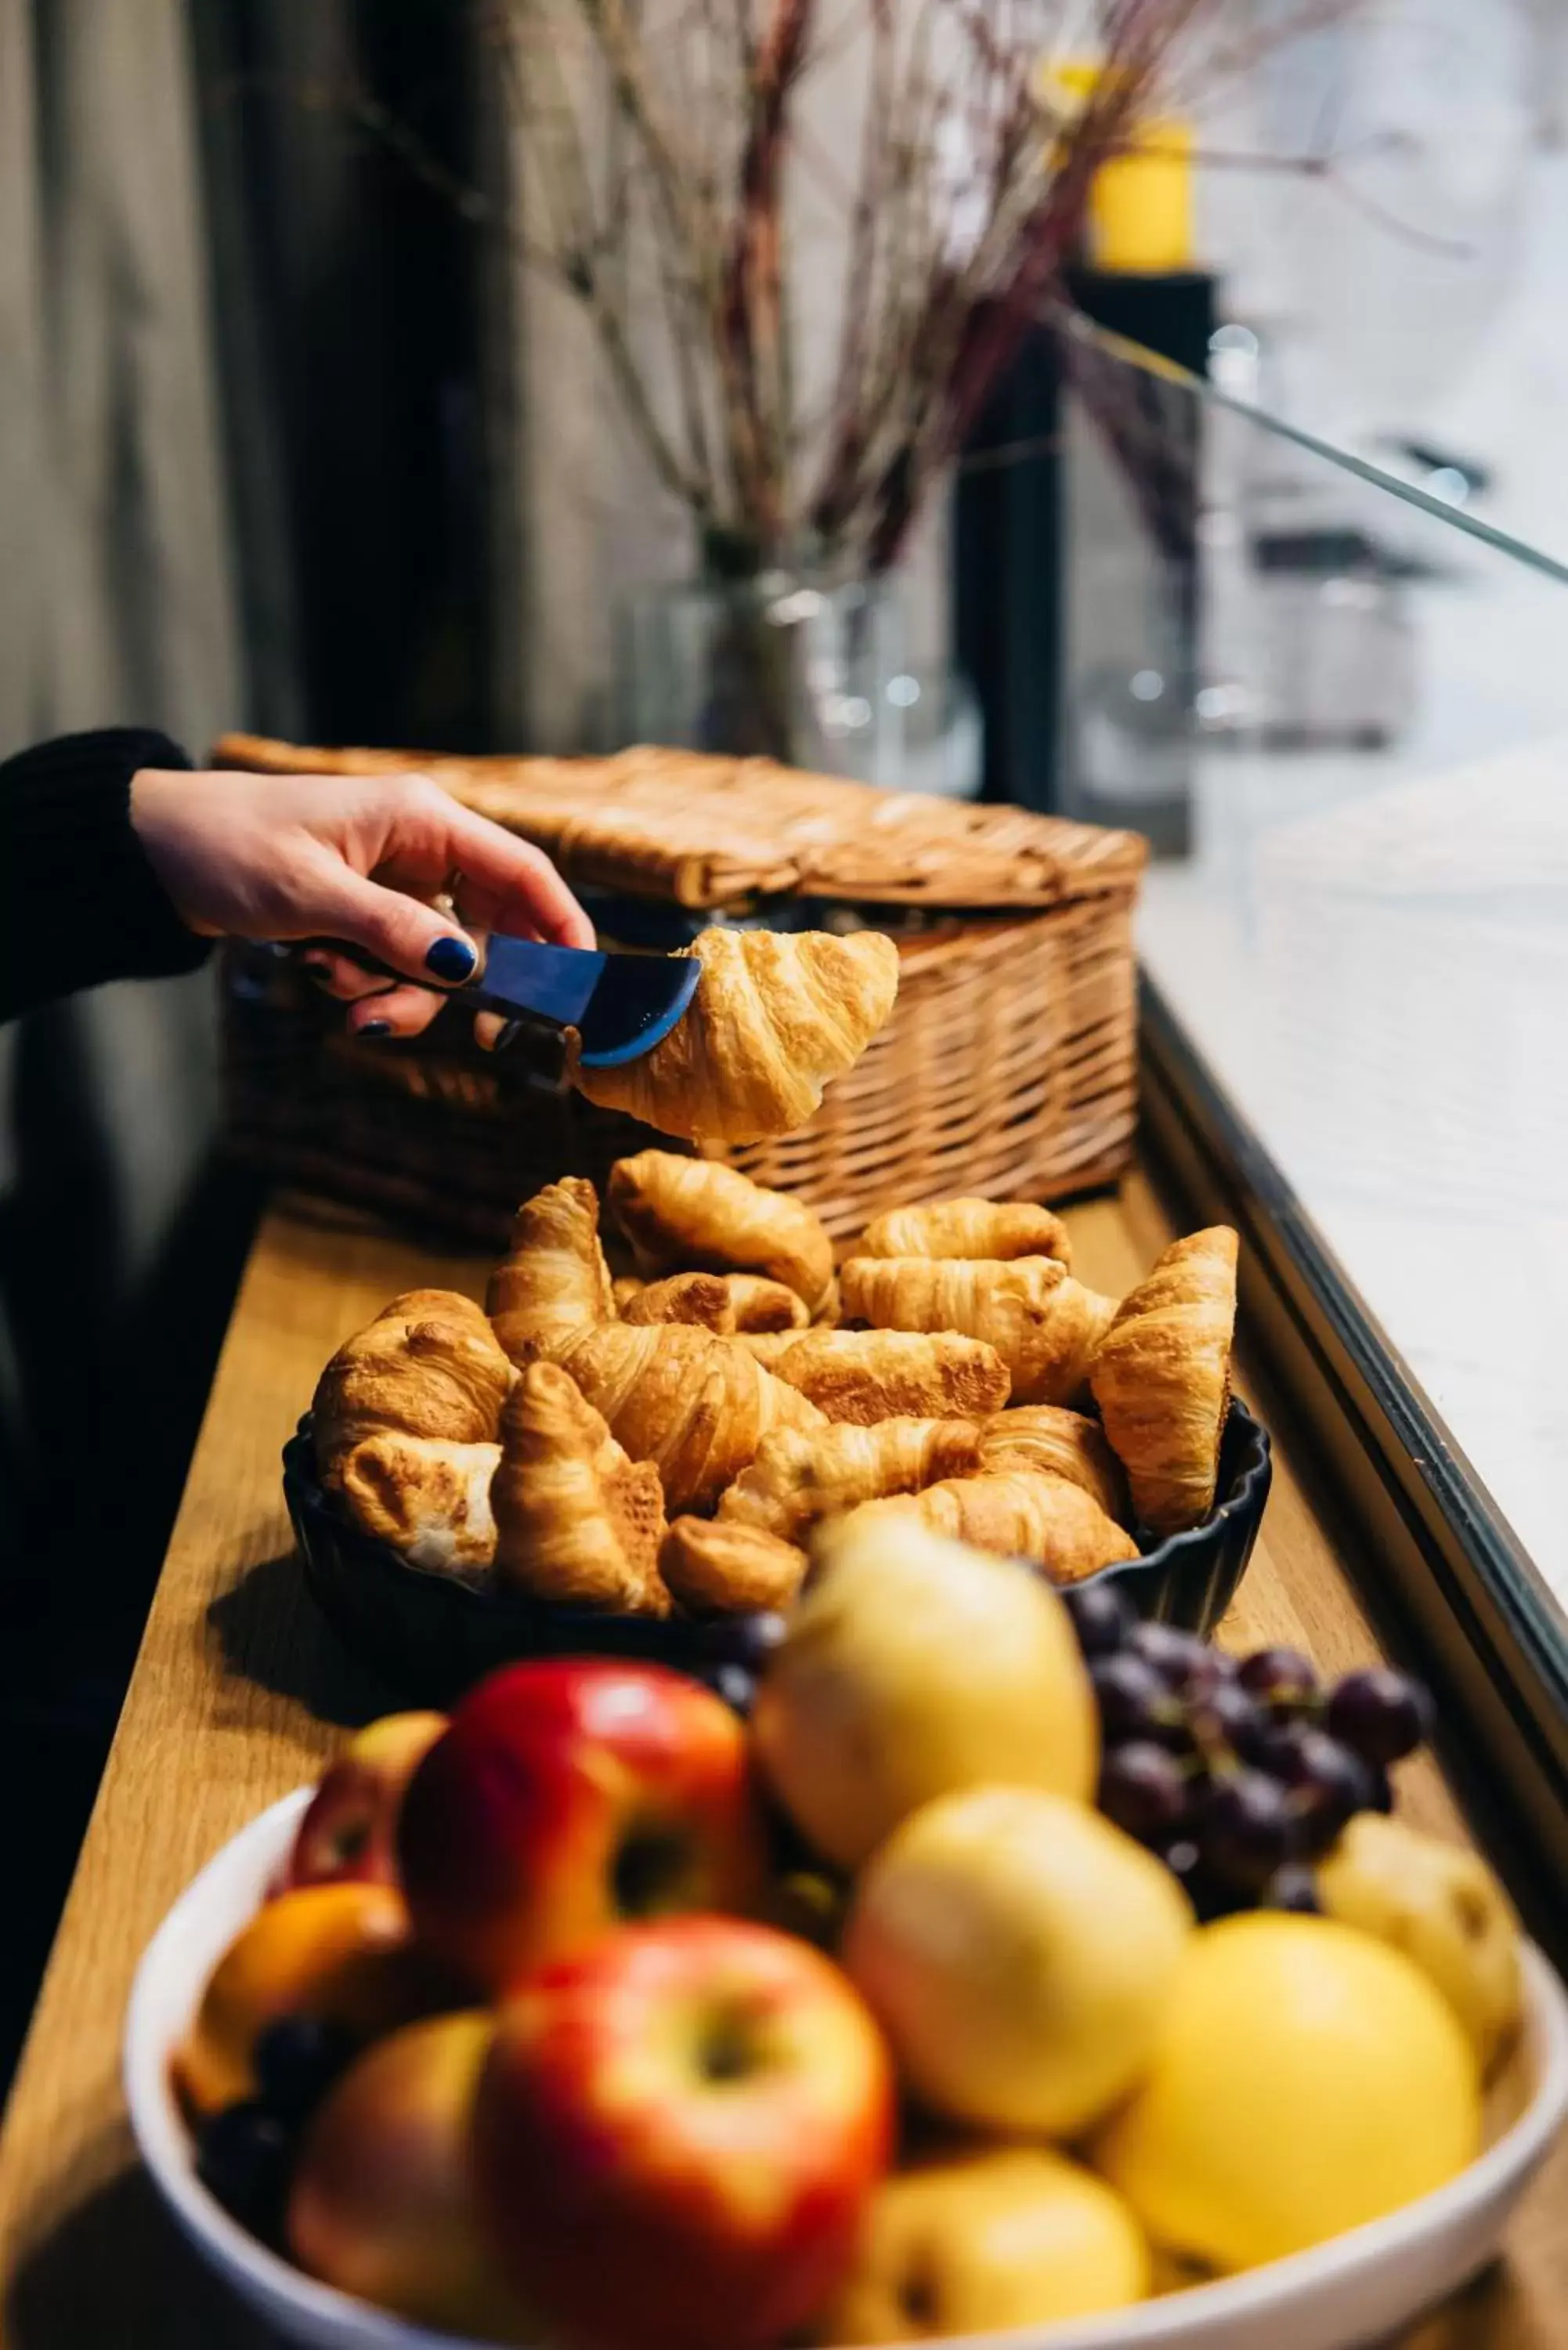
(1008,1068)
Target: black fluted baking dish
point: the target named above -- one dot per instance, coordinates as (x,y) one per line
(432,1636)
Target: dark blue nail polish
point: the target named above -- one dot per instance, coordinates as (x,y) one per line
(451,959)
(374,1027)
(508,1036)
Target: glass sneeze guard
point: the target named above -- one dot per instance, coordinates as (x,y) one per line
(1342,706)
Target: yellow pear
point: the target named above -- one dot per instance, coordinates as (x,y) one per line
(975,2243)
(913,1666)
(1018,1951)
(1443,1908)
(1306,2079)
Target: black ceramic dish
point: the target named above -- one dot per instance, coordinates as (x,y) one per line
(434,1636)
(1190,1579)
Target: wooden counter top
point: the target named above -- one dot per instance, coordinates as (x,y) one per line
(239,1692)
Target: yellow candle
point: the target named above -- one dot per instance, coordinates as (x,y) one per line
(1140,213)
(1140,206)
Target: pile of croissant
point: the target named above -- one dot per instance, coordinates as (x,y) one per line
(667,1441)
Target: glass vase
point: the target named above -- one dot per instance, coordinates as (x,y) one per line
(773,666)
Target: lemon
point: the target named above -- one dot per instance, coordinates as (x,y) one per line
(1306,2079)
(980,2241)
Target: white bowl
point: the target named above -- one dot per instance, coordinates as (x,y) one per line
(1353,2291)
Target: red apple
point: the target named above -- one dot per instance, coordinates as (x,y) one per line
(567,1797)
(677,2137)
(349,1828)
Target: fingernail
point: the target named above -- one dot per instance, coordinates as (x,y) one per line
(374,1028)
(508,1036)
(451,959)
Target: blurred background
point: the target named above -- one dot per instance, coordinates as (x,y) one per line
(291,443)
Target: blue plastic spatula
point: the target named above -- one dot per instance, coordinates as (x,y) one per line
(621,1006)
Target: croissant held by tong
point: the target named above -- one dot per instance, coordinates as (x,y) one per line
(776,1016)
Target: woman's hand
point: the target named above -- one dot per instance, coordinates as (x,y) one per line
(352,857)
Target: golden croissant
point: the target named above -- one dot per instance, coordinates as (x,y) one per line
(801,1476)
(770,1347)
(576,1522)
(1018,1513)
(711,1565)
(867,1376)
(724,1303)
(552,1278)
(696,1406)
(1162,1379)
(776,1016)
(1045,1325)
(762,1306)
(1045,1436)
(697,1215)
(428,1366)
(701,1299)
(977,1228)
(427,1497)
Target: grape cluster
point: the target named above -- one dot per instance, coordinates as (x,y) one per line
(245,2152)
(1238,1772)
(738,1649)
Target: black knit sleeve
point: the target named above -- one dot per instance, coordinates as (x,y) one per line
(78,902)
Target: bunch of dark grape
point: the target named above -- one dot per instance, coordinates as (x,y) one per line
(245,2152)
(738,1646)
(1238,1772)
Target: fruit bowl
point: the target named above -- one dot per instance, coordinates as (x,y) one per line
(1353,2290)
(434,1636)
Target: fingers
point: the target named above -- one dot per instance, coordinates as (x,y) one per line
(335,975)
(396,928)
(507,884)
(401,1011)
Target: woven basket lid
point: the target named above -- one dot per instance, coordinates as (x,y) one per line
(706,831)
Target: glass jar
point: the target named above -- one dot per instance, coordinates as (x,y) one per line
(776,665)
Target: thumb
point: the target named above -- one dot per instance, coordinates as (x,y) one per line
(399,930)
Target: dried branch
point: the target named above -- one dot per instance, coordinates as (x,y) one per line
(964,191)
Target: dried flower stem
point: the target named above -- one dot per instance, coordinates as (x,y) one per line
(963,203)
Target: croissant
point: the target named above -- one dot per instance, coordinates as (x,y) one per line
(724,1303)
(552,1278)
(799,1477)
(698,1215)
(1045,1325)
(977,1228)
(776,1016)
(764,1307)
(769,1348)
(428,1497)
(713,1565)
(696,1406)
(1044,1436)
(428,1366)
(1018,1513)
(576,1522)
(701,1299)
(1162,1379)
(867,1376)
